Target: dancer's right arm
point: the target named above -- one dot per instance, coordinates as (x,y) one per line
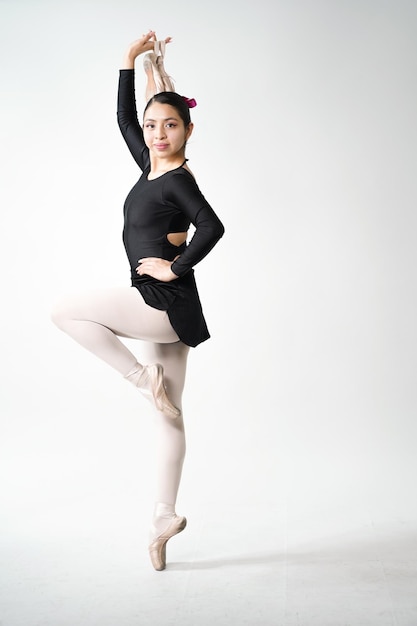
(127,116)
(127,119)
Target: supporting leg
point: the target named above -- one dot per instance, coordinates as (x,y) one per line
(170,451)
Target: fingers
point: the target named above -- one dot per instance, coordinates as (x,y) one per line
(144,264)
(151,35)
(155,267)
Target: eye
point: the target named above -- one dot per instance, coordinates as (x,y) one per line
(171,125)
(149,125)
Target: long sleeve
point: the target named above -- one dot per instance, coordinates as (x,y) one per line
(183,192)
(127,118)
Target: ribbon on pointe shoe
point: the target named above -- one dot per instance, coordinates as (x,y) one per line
(159,48)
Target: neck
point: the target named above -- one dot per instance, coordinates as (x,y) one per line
(159,166)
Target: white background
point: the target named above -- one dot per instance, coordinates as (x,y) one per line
(306,146)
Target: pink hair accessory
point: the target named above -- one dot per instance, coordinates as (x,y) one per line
(191,103)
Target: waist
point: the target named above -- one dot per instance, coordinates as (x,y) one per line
(187,281)
(160,248)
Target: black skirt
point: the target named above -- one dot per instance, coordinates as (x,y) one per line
(181,301)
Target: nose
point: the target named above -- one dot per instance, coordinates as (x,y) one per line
(160,132)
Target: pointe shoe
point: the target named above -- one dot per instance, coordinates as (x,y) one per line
(167,80)
(149,64)
(159,51)
(151,385)
(157,549)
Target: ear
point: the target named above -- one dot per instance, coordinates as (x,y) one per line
(189,131)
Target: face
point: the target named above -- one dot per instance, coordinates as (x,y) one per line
(164,131)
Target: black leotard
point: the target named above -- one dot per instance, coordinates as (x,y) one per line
(152,210)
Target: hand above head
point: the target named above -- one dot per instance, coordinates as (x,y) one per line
(141,45)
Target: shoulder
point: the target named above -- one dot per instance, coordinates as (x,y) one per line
(181,187)
(181,179)
(183,176)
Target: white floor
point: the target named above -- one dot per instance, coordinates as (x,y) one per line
(85,563)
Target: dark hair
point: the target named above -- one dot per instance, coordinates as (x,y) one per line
(175,100)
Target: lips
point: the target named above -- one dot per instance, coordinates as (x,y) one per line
(160,146)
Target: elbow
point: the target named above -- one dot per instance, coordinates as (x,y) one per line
(120,121)
(215,232)
(219,231)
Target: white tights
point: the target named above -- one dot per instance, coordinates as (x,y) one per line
(96,320)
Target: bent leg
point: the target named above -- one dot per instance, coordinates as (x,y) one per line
(97,319)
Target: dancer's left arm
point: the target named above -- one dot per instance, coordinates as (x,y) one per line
(184,193)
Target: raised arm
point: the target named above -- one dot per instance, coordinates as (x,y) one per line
(127,116)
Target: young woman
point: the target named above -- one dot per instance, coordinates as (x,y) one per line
(162,306)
